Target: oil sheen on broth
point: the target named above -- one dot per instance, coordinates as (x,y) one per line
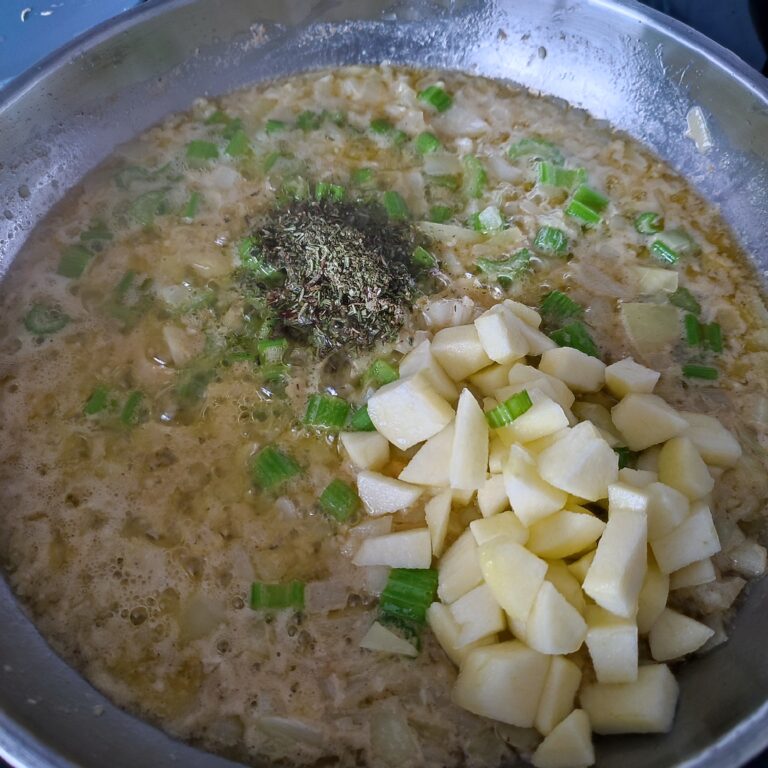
(133,400)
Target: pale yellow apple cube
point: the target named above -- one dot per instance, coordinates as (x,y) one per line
(616,576)
(513,573)
(652,280)
(503,524)
(627,497)
(447,632)
(500,336)
(653,597)
(700,572)
(379,638)
(527,314)
(557,698)
(437,513)
(564,533)
(646,420)
(566,584)
(404,549)
(667,508)
(675,635)
(366,450)
(638,478)
(531,497)
(420,358)
(538,342)
(469,457)
(568,745)
(492,497)
(478,615)
(497,455)
(489,379)
(459,351)
(579,568)
(430,464)
(458,570)
(644,706)
(544,417)
(681,467)
(627,376)
(579,371)
(503,682)
(382,495)
(612,643)
(408,411)
(694,539)
(521,374)
(713,441)
(554,626)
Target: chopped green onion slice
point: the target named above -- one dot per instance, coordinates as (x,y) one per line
(679,241)
(251,260)
(202,150)
(131,413)
(692,371)
(557,306)
(577,336)
(97,402)
(270,160)
(381,372)
(625,456)
(426,142)
(551,240)
(395,205)
(271,350)
(440,213)
(713,336)
(309,120)
(383,127)
(326,411)
(423,258)
(452,183)
(436,97)
(44,319)
(506,412)
(684,299)
(693,330)
(408,593)
(275,126)
(339,501)
(325,190)
(360,421)
(74,259)
(490,219)
(238,144)
(649,223)
(510,268)
(145,207)
(275,597)
(192,206)
(537,149)
(361,176)
(591,198)
(583,212)
(271,468)
(553,176)
(475,177)
(661,251)
(218,118)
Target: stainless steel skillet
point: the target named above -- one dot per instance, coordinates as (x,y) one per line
(634,68)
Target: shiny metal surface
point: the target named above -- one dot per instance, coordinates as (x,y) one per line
(624,64)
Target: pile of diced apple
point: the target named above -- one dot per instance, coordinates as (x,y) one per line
(541,600)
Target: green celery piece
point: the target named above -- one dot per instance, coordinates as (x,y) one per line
(510,268)
(694,371)
(276,597)
(97,231)
(275,126)
(551,240)
(576,335)
(97,402)
(408,593)
(360,421)
(202,150)
(557,306)
(426,142)
(192,206)
(395,205)
(475,177)
(684,299)
(339,501)
(238,144)
(131,413)
(440,213)
(421,257)
(74,259)
(148,205)
(536,148)
(437,97)
(45,319)
(361,176)
(326,412)
(309,120)
(649,223)
(381,373)
(270,468)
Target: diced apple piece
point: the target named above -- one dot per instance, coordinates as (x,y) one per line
(503,682)
(560,687)
(527,314)
(491,378)
(492,497)
(437,513)
(681,467)
(408,411)
(469,457)
(667,508)
(447,632)
(600,416)
(538,342)
(566,584)
(459,351)
(531,498)
(527,374)
(700,572)
(675,635)
(379,638)
(554,626)
(581,372)
(478,615)
(653,597)
(461,497)
(501,338)
(581,567)
(497,455)
(650,327)
(638,478)
(404,549)
(564,533)
(612,644)
(615,578)
(646,420)
(535,447)
(430,464)
(623,496)
(366,450)
(580,464)
(569,745)
(503,524)
(655,279)
(694,539)
(748,559)
(459,569)
(645,706)
(420,358)
(648,460)
(627,376)
(513,574)
(713,441)
(544,417)
(382,495)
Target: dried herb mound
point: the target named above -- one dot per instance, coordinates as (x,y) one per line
(349,279)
